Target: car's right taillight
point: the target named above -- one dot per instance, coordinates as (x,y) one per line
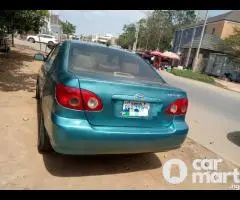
(91,101)
(77,99)
(178,107)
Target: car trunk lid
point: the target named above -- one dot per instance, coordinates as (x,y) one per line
(129,102)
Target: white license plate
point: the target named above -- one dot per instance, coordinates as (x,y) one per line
(135,109)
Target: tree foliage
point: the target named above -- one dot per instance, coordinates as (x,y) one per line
(156,30)
(231,46)
(68,28)
(22,20)
(128,37)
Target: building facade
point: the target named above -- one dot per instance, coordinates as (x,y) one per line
(52,26)
(100,38)
(217,28)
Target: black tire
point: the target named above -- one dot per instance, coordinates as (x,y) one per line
(43,143)
(37,91)
(31,40)
(50,43)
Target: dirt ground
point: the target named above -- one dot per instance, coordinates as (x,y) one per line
(22,167)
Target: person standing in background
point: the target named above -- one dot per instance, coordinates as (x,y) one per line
(156,62)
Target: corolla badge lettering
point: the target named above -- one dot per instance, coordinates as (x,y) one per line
(174,95)
(139,96)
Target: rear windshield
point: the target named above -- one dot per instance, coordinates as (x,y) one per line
(100,59)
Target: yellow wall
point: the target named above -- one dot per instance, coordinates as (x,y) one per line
(228,28)
(223,29)
(218,28)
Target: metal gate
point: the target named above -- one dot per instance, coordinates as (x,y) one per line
(219,64)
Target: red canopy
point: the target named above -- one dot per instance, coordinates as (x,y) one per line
(171,55)
(157,53)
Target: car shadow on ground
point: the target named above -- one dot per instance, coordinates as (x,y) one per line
(75,166)
(234,137)
(12,77)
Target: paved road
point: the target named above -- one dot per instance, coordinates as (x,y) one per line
(213,116)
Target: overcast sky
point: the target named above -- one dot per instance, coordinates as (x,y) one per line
(106,21)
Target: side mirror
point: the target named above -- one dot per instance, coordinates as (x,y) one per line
(39,57)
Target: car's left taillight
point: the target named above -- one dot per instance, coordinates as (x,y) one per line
(178,107)
(69,97)
(77,99)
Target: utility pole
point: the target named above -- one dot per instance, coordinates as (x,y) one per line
(200,43)
(190,48)
(136,36)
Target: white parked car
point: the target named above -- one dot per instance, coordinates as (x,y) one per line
(43,38)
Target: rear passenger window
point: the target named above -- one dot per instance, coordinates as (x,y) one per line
(101,59)
(52,56)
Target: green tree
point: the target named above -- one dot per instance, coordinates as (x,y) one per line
(68,28)
(231,46)
(142,33)
(127,39)
(22,20)
(157,30)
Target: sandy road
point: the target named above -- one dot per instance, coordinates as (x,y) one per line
(21,166)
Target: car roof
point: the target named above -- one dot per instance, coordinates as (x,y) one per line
(98,45)
(46,35)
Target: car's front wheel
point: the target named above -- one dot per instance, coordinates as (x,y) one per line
(50,43)
(31,40)
(43,143)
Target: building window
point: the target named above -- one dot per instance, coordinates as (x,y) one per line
(213,31)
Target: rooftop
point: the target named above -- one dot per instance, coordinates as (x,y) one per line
(233,16)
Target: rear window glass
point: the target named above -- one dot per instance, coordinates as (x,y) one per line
(98,59)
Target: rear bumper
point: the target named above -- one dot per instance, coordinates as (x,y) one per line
(69,136)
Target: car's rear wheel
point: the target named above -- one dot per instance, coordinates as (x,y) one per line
(31,40)
(43,143)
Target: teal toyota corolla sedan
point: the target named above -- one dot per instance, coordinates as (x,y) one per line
(96,99)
